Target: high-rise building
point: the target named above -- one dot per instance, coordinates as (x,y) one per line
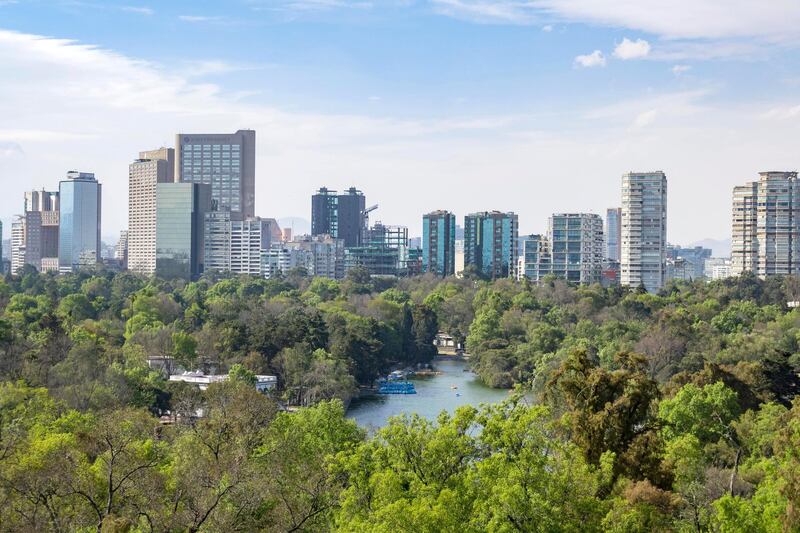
(152,167)
(439,243)
(17,243)
(744,237)
(41,201)
(80,197)
(225,162)
(644,230)
(121,250)
(235,245)
(536,258)
(766,225)
(384,251)
(576,241)
(324,210)
(320,255)
(36,231)
(693,262)
(342,216)
(180,215)
(613,233)
(490,243)
(351,217)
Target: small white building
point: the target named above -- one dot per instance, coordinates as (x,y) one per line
(263,383)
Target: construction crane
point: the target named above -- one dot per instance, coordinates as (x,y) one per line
(365,221)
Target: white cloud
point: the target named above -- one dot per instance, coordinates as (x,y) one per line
(782,113)
(628,49)
(139,10)
(487,11)
(9,149)
(680,69)
(322,5)
(198,18)
(547,28)
(698,29)
(595,59)
(645,118)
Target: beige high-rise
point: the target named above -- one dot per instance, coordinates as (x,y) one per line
(766,225)
(152,167)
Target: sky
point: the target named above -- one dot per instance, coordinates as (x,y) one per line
(531,106)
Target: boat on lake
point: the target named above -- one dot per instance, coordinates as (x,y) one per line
(396,387)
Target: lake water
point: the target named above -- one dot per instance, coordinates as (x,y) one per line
(434,394)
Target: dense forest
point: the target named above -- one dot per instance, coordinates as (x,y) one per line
(631,411)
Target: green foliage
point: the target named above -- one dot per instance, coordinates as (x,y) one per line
(640,412)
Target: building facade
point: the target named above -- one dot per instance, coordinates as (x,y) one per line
(536,258)
(80,197)
(439,243)
(224,162)
(342,216)
(694,261)
(235,245)
(490,243)
(121,250)
(36,231)
(766,225)
(576,242)
(613,233)
(644,230)
(180,216)
(151,168)
(384,251)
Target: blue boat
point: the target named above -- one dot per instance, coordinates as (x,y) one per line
(396,387)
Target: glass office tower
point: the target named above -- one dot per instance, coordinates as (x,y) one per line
(490,243)
(180,215)
(439,243)
(80,197)
(226,162)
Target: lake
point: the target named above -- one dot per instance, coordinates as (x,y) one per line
(434,394)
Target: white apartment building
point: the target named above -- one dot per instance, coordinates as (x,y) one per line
(644,230)
(236,245)
(576,246)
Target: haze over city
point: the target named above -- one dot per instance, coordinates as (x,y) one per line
(533,107)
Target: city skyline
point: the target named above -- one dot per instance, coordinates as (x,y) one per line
(527,95)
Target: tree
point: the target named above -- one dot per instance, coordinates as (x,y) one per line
(605,410)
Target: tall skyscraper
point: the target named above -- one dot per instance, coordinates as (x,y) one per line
(81,209)
(342,216)
(180,217)
(766,225)
(490,243)
(152,167)
(644,230)
(613,233)
(576,241)
(225,162)
(439,243)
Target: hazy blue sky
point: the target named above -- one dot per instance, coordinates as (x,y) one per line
(535,106)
